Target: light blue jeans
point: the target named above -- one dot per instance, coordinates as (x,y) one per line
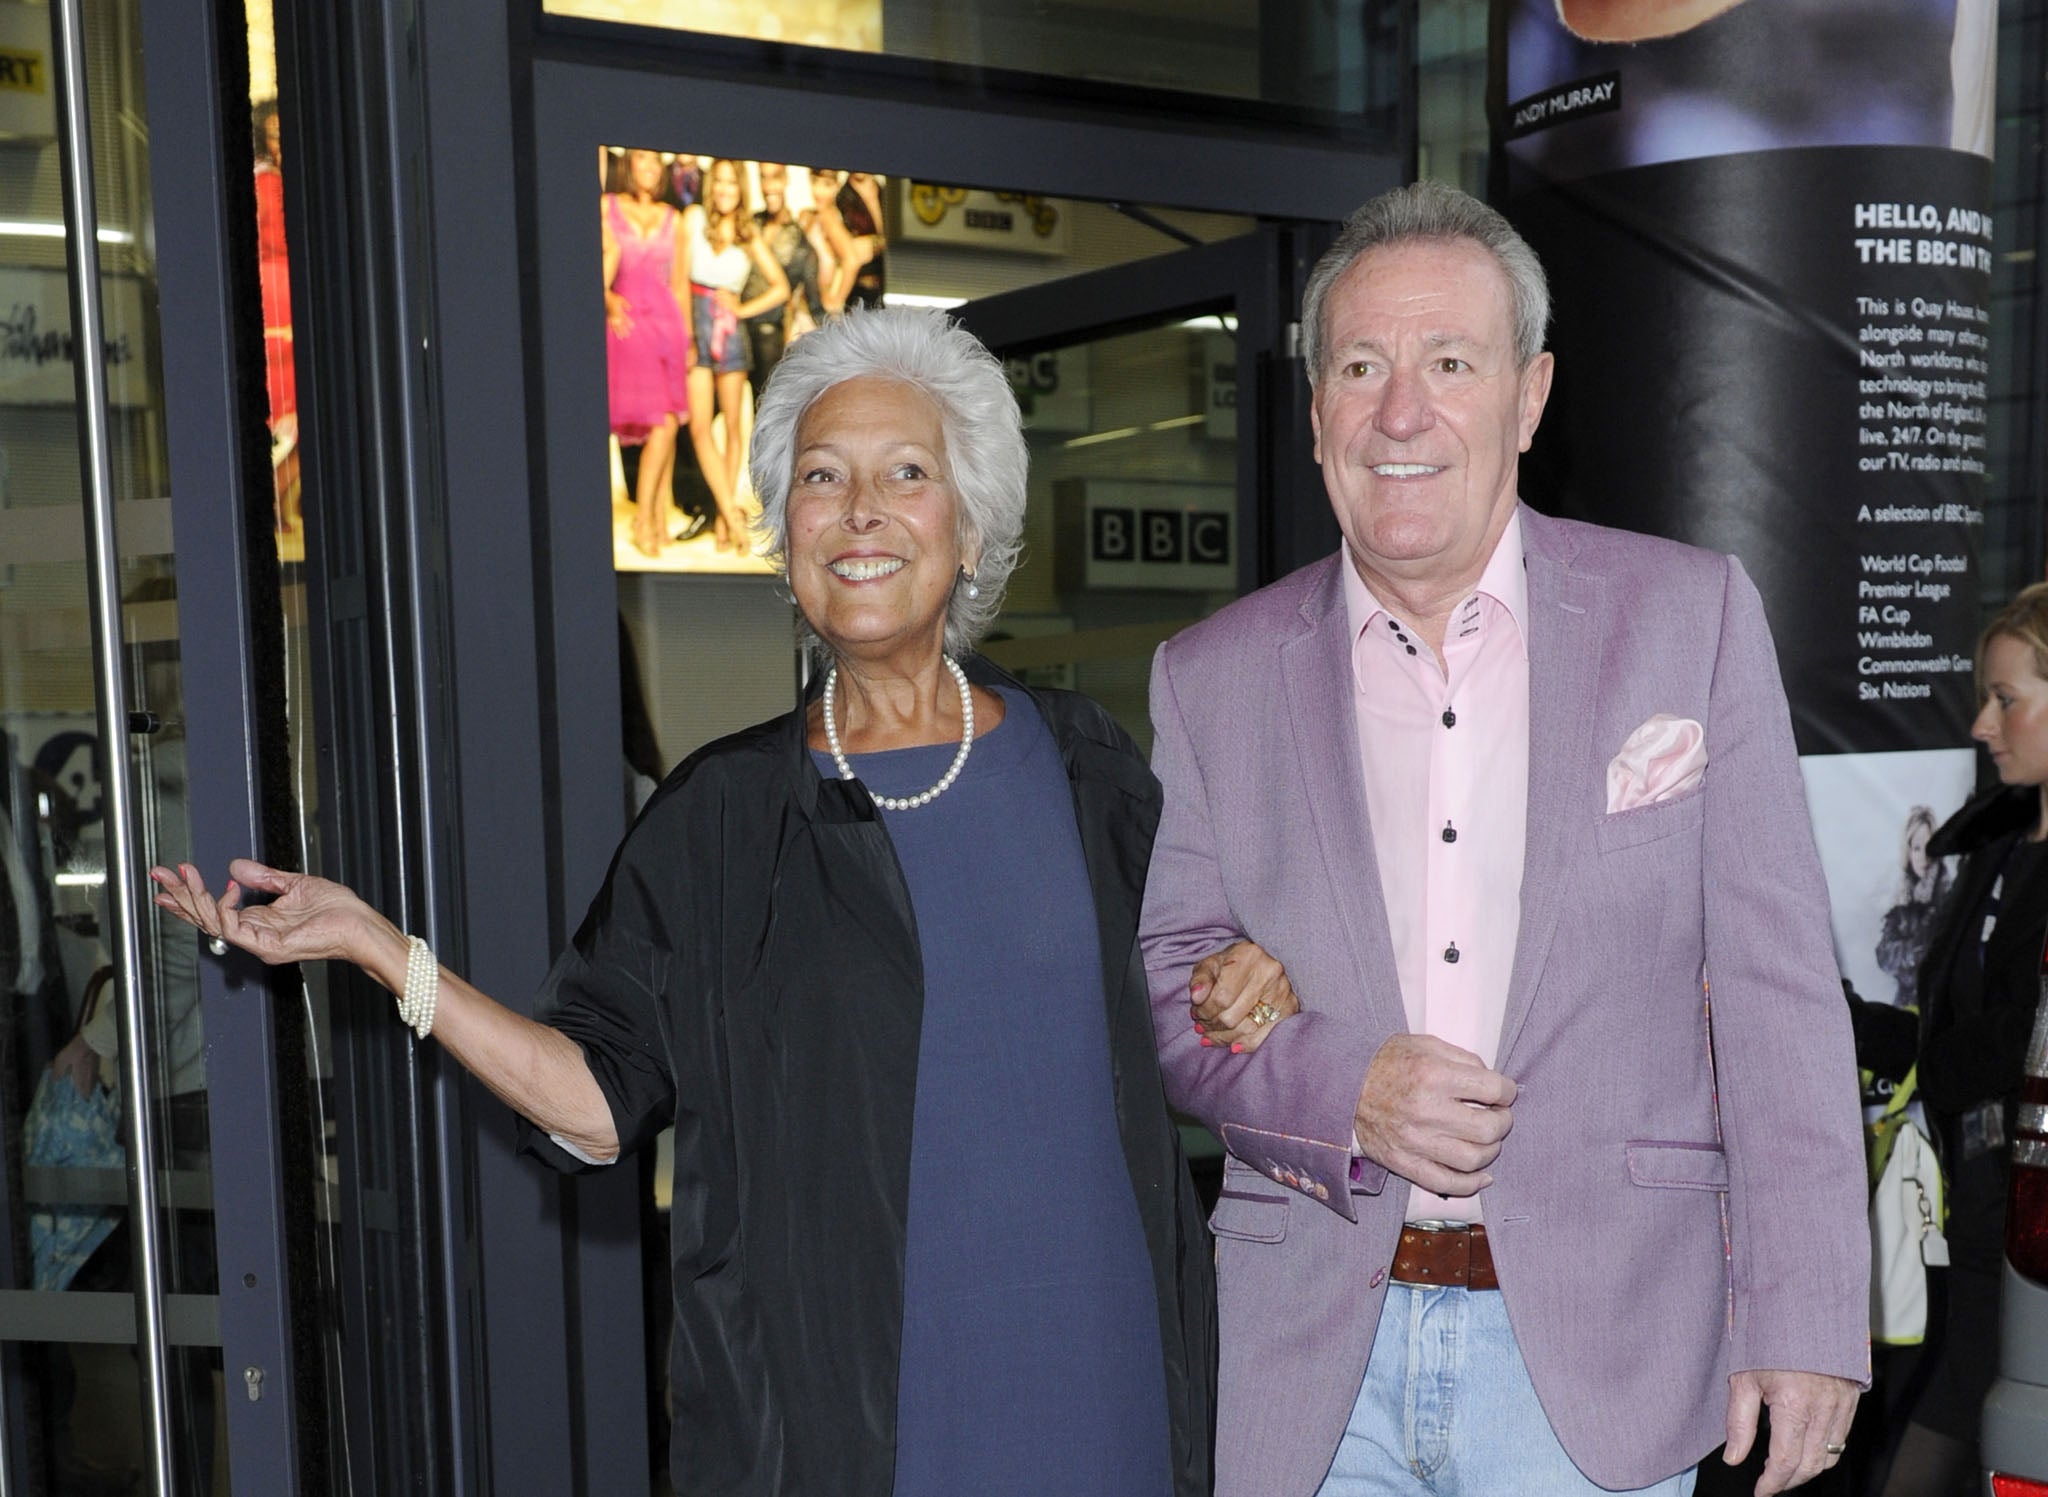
(1447,1408)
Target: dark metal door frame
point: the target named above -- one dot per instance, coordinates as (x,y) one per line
(190,153)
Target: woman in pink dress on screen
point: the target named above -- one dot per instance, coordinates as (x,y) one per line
(647,337)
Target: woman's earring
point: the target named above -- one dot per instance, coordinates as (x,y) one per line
(973,587)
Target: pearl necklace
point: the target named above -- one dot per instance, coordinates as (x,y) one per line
(926,797)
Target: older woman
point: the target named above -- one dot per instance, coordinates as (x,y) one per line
(875,961)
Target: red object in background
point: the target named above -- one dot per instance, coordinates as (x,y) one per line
(277,293)
(2017,1486)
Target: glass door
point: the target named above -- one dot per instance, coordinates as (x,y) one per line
(137,1116)
(109,1311)
(1157,402)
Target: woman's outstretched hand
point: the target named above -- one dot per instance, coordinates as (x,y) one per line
(538,1070)
(309,920)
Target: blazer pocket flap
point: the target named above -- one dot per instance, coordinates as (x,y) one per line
(1678,1166)
(1250,1216)
(1642,824)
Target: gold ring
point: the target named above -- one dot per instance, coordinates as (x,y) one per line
(1834,1449)
(1264,1014)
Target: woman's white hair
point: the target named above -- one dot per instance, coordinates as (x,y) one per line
(983,430)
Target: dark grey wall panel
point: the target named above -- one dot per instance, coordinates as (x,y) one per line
(559,1278)
(987,144)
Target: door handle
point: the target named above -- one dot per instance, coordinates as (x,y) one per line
(102,575)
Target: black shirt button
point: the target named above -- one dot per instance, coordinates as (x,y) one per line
(1450,718)
(1450,832)
(1411,649)
(1451,953)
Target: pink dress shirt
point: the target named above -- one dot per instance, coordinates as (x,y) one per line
(1444,752)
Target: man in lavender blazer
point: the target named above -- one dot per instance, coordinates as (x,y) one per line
(1663,1146)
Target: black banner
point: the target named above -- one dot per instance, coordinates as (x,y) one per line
(1766,231)
(1785,355)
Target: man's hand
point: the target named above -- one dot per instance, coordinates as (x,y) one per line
(1434,1114)
(1809,1412)
(1226,989)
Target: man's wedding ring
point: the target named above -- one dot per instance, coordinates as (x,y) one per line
(1264,1014)
(216,945)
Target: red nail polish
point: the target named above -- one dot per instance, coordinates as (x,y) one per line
(1200,1027)
(1236,1048)
(1207,1043)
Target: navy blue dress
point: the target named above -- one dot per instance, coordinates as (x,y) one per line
(1031,1348)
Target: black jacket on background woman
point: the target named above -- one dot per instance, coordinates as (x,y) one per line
(751,972)
(1970,1043)
(1975,1020)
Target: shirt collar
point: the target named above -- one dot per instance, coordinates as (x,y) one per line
(1505,581)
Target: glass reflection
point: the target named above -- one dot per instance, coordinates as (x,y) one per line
(1132,530)
(70,1410)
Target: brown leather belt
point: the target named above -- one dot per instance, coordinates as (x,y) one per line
(1445,1255)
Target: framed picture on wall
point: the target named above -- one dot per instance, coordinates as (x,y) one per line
(712,268)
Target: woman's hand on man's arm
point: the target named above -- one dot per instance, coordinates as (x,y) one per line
(1237,994)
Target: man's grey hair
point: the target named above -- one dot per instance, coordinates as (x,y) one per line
(1429,211)
(983,430)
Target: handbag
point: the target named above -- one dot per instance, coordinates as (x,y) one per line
(1906,1215)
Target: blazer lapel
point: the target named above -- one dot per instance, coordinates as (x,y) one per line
(1316,668)
(1566,622)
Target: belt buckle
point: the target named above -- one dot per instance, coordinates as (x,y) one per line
(1441,1253)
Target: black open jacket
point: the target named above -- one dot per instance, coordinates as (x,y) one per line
(1970,1038)
(751,972)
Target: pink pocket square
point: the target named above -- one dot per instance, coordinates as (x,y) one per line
(1666,756)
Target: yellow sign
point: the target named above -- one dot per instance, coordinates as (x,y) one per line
(935,213)
(21,72)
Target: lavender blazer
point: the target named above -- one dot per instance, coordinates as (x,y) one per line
(1652,1235)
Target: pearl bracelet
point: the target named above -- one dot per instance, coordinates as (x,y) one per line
(422,987)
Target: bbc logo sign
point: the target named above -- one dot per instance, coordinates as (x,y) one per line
(1138,534)
(1170,537)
